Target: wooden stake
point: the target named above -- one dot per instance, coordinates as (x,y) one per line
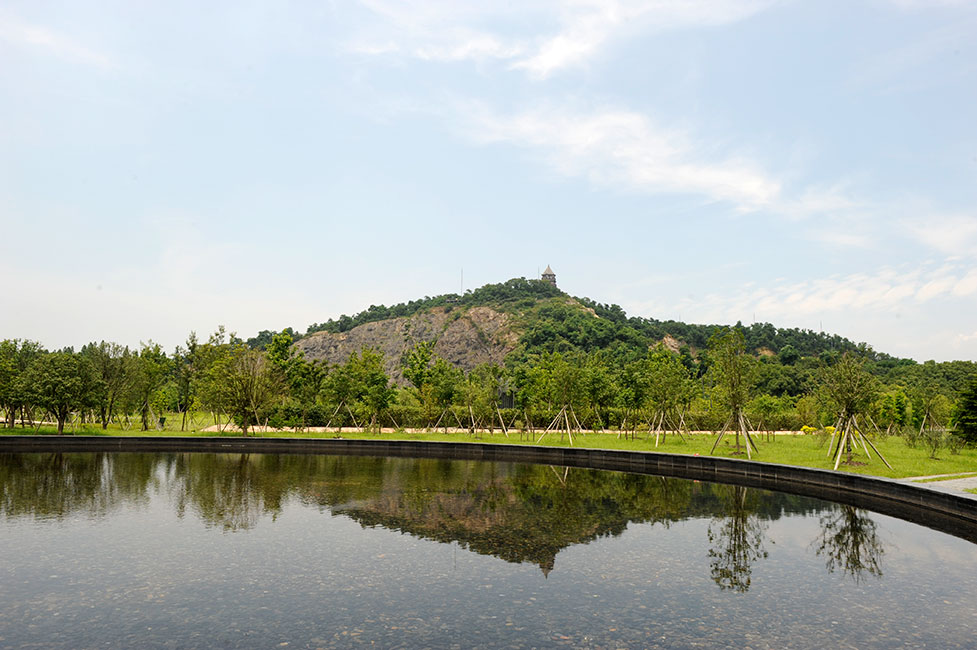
(501,420)
(721,434)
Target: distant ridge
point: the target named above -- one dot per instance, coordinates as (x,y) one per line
(522,317)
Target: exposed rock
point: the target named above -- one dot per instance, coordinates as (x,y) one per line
(463,337)
(671,343)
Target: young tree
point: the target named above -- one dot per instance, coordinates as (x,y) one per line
(418,367)
(633,393)
(669,388)
(417,363)
(731,371)
(598,387)
(443,386)
(303,378)
(848,390)
(150,372)
(374,394)
(187,373)
(207,355)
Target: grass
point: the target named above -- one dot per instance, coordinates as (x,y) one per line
(805,451)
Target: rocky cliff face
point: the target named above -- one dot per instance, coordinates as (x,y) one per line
(463,337)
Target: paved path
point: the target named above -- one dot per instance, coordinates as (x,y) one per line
(951,485)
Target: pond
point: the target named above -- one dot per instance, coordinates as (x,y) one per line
(188,550)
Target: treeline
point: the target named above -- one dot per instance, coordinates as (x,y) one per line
(571,390)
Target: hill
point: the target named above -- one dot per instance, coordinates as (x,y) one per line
(520,317)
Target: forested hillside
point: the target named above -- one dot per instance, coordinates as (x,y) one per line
(554,321)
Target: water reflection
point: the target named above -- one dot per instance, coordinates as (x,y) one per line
(736,538)
(252,550)
(518,513)
(850,542)
(55,486)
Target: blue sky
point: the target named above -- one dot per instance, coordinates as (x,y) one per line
(168,167)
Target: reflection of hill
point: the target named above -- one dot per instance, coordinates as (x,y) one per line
(519,513)
(525,513)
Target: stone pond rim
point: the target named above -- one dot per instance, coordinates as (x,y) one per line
(949,513)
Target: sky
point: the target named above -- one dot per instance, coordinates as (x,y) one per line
(173,167)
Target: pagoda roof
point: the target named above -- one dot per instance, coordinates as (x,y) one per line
(548,271)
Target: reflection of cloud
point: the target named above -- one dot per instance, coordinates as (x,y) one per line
(569,33)
(14,31)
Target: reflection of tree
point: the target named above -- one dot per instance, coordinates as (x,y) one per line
(849,541)
(229,490)
(737,538)
(57,485)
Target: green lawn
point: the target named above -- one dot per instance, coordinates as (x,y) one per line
(806,451)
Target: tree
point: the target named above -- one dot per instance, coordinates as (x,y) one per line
(418,366)
(893,411)
(60,383)
(788,356)
(207,355)
(669,390)
(848,390)
(633,382)
(150,371)
(16,356)
(598,386)
(247,383)
(374,394)
(187,361)
(417,363)
(731,370)
(965,413)
(361,386)
(765,409)
(442,386)
(111,363)
(303,378)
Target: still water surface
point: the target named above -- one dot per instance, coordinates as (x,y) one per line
(251,550)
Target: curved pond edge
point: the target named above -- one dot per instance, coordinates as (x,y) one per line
(949,513)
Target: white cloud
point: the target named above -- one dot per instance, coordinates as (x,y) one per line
(620,147)
(887,289)
(950,234)
(13,30)
(967,285)
(538,36)
(911,5)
